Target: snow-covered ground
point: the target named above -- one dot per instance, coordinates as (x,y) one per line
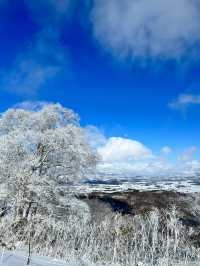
(19,258)
(115,183)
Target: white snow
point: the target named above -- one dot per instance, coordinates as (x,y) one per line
(184,186)
(19,258)
(110,183)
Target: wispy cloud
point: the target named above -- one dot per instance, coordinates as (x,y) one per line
(188,154)
(184,101)
(147,29)
(44,58)
(41,62)
(31,105)
(166,150)
(95,137)
(49,13)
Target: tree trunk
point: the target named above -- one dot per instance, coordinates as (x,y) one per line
(28,210)
(29,252)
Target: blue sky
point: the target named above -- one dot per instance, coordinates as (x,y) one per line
(131,70)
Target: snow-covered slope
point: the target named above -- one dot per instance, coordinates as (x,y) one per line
(20,259)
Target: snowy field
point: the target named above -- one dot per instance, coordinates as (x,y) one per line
(114,183)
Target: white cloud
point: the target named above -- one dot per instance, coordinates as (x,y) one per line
(166,150)
(185,100)
(123,150)
(147,29)
(143,168)
(127,157)
(187,154)
(153,168)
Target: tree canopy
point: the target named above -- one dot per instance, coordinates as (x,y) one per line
(40,151)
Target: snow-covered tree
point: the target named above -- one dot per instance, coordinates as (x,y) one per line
(40,152)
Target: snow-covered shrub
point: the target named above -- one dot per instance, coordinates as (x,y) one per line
(153,239)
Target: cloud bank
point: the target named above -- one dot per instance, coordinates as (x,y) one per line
(147,29)
(128,157)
